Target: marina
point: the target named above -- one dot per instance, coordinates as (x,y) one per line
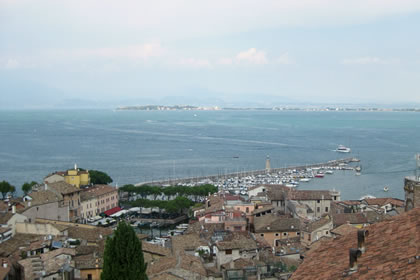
(239,182)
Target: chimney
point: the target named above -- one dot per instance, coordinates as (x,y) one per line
(5,264)
(354,254)
(45,186)
(29,203)
(13,209)
(361,234)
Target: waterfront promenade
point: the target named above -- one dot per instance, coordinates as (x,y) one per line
(195,180)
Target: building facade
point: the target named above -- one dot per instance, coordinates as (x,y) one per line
(106,198)
(412,192)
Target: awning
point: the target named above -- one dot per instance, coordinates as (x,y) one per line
(112,211)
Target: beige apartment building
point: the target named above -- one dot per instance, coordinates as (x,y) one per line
(98,199)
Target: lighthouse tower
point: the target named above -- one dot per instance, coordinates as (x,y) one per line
(268,164)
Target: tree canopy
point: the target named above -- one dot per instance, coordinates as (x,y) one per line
(27,187)
(6,187)
(99,178)
(123,256)
(177,205)
(195,192)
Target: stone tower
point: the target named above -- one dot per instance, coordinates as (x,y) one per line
(412,192)
(267,164)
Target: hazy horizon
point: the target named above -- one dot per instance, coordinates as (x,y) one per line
(103,54)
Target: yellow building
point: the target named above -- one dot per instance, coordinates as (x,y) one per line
(77,177)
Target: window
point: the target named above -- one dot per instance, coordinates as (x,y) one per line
(326,209)
(228,251)
(262,234)
(247,210)
(318,209)
(335,197)
(284,233)
(89,277)
(318,201)
(326,232)
(298,233)
(277,234)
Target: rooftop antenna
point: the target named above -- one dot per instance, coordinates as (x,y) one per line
(417,156)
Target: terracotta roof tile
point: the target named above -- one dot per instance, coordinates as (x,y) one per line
(344,229)
(43,197)
(5,217)
(155,249)
(237,241)
(392,250)
(63,188)
(4,271)
(352,218)
(263,209)
(383,201)
(98,190)
(270,222)
(308,195)
(188,242)
(314,225)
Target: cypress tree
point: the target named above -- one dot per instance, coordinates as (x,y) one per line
(123,257)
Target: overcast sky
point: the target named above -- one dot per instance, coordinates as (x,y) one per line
(89,52)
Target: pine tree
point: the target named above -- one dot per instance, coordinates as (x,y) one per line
(123,257)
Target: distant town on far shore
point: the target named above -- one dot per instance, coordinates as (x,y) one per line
(285,108)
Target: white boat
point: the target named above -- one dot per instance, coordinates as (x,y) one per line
(304,180)
(343,149)
(329,172)
(367,196)
(386,188)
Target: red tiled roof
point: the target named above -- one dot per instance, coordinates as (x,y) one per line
(352,218)
(112,211)
(392,250)
(309,195)
(384,201)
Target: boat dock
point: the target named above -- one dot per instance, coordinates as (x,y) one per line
(214,178)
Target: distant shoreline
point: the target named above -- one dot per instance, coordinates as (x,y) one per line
(286,108)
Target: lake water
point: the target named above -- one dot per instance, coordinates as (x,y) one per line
(136,146)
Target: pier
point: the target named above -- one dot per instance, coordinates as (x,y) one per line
(175,181)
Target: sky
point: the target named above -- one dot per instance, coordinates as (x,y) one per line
(93,53)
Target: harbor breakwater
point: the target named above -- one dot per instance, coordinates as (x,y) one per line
(196,180)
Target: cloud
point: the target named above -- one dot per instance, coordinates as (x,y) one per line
(197,18)
(194,62)
(225,61)
(12,63)
(140,51)
(252,56)
(285,59)
(368,60)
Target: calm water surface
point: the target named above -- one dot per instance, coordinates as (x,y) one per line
(136,146)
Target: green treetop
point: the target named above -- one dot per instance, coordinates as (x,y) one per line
(123,256)
(5,187)
(99,178)
(27,187)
